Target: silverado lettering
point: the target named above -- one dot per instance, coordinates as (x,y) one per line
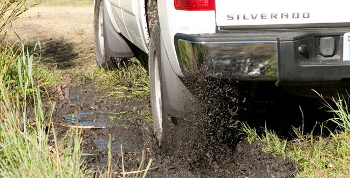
(273,16)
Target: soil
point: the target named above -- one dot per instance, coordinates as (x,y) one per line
(208,143)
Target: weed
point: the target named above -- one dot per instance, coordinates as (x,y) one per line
(275,145)
(14,67)
(341,111)
(251,133)
(139,172)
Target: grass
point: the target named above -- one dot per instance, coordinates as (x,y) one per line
(316,156)
(139,172)
(24,131)
(275,145)
(129,81)
(11,68)
(25,150)
(11,10)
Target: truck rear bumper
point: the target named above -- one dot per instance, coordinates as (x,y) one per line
(285,56)
(223,56)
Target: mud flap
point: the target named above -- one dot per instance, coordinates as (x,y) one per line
(115,43)
(176,96)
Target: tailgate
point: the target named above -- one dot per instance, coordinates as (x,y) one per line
(277,13)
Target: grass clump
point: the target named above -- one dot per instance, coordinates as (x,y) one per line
(139,172)
(322,157)
(14,64)
(128,81)
(316,156)
(326,156)
(275,145)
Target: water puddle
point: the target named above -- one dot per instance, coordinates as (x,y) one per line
(95,119)
(100,120)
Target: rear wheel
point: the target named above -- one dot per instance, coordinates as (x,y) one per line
(102,58)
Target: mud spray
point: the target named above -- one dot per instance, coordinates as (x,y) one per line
(208,141)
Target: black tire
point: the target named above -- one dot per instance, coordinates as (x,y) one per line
(163,127)
(102,58)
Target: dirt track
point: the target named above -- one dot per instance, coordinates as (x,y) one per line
(67,40)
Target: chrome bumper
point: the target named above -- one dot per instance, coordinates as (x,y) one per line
(253,59)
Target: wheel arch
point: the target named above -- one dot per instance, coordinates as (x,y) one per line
(116,45)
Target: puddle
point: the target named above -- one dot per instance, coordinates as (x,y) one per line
(74,121)
(91,119)
(99,119)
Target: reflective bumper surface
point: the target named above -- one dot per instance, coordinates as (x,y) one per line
(243,59)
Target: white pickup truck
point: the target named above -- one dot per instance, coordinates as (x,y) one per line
(294,43)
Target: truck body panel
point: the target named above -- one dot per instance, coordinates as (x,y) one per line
(130,18)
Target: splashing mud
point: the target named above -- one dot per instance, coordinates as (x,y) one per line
(208,141)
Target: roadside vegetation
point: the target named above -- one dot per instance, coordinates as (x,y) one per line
(25,127)
(29,146)
(316,155)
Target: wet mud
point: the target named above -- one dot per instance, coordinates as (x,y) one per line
(207,143)
(101,117)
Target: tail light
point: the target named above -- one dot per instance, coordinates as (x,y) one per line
(194,5)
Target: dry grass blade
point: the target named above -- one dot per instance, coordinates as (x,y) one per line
(11,10)
(134,172)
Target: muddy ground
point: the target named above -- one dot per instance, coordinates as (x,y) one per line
(215,148)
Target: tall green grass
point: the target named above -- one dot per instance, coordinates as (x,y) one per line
(12,67)
(275,145)
(24,124)
(25,127)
